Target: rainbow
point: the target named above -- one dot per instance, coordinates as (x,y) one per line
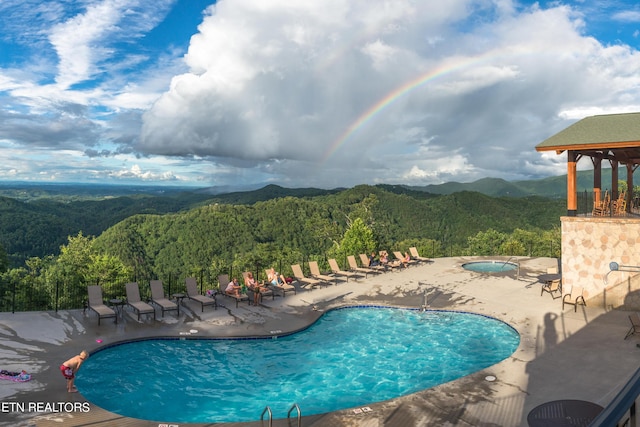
(392,96)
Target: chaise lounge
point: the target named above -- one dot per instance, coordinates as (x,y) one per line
(158,298)
(193,294)
(300,277)
(353,265)
(134,301)
(335,269)
(316,274)
(223,280)
(96,304)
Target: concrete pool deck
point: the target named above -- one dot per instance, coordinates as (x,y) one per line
(562,354)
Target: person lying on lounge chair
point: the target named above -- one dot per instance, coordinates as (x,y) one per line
(274,278)
(233,288)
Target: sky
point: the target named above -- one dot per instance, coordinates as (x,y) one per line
(326,94)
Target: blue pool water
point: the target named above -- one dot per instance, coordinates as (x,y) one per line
(348,358)
(489,266)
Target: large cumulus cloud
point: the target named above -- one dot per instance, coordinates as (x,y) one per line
(289,81)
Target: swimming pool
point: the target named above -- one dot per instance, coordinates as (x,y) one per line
(348,358)
(489,266)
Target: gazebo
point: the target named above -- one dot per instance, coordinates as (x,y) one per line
(591,243)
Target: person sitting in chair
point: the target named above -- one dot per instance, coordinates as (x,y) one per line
(372,260)
(256,287)
(233,288)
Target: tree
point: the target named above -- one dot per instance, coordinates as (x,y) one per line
(358,239)
(486,242)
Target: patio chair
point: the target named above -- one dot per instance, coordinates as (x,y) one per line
(574,298)
(635,325)
(304,281)
(551,287)
(364,260)
(282,286)
(134,301)
(158,298)
(316,274)
(353,266)
(414,253)
(223,280)
(193,294)
(335,269)
(96,304)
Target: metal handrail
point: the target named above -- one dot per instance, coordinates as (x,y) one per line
(267,409)
(295,406)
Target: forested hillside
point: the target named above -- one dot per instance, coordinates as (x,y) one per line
(292,228)
(37,228)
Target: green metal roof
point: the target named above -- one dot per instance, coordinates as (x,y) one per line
(597,132)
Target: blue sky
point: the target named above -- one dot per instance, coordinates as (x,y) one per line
(304,94)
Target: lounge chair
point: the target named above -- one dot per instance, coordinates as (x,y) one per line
(551,287)
(263,293)
(158,298)
(335,269)
(574,298)
(635,325)
(223,280)
(392,264)
(96,304)
(364,259)
(353,266)
(134,301)
(414,253)
(282,287)
(316,274)
(194,295)
(400,258)
(304,281)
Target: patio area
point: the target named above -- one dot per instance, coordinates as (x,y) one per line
(566,354)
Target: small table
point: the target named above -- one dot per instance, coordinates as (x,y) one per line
(564,413)
(117,303)
(179,298)
(550,277)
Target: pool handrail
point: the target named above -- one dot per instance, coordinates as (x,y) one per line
(267,409)
(295,406)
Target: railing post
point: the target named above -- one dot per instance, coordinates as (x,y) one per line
(57,294)
(13,300)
